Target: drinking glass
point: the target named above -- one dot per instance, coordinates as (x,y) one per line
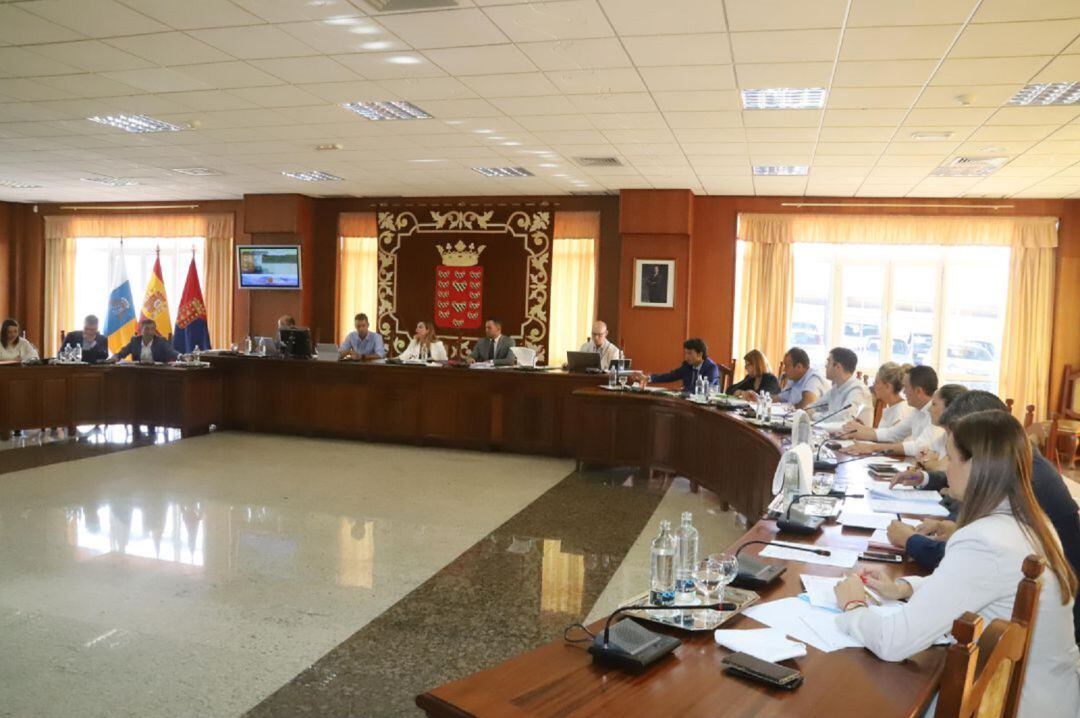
(820,485)
(623,376)
(727,565)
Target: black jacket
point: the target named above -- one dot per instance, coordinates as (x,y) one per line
(95,354)
(769,384)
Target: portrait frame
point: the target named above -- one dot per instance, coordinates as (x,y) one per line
(654,283)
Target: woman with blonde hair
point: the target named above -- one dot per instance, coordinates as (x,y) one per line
(759,378)
(425,345)
(888,385)
(1000,523)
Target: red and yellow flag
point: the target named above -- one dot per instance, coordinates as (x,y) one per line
(155,303)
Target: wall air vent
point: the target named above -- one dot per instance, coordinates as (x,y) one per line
(598,161)
(969,166)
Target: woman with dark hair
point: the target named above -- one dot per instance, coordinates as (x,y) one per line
(989,464)
(12,346)
(425,345)
(758,377)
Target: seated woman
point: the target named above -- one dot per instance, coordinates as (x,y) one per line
(758,378)
(888,385)
(425,345)
(14,347)
(989,463)
(928,447)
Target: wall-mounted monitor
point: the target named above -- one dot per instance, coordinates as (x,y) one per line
(268,266)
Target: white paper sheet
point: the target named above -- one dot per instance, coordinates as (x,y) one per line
(841,557)
(917,508)
(881,490)
(784,615)
(821,592)
(864,520)
(882,535)
(768,644)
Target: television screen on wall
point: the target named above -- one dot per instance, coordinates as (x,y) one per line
(271,266)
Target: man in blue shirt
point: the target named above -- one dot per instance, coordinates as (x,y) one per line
(362,344)
(696,363)
(804,385)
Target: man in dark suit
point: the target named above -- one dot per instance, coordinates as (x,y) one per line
(926,545)
(95,347)
(495,347)
(146,347)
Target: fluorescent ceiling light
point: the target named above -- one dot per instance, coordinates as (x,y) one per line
(135,123)
(196,171)
(503,171)
(18,185)
(780,170)
(387,110)
(1048,93)
(784,98)
(931,135)
(111,181)
(404,60)
(313,176)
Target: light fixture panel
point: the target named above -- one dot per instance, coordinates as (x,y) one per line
(387,110)
(135,123)
(1048,93)
(313,176)
(503,171)
(784,98)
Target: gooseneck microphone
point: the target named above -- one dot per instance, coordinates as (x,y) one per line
(755,574)
(809,549)
(718,606)
(631,646)
(845,407)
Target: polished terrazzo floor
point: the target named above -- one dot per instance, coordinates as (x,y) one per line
(278,576)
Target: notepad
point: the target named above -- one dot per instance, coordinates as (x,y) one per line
(768,644)
(844,558)
(821,592)
(916,508)
(865,520)
(881,490)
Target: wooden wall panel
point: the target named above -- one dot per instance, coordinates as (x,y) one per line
(652,337)
(7,230)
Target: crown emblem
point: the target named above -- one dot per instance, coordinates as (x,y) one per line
(460,254)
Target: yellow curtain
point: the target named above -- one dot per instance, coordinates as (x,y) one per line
(573,282)
(59,292)
(218,291)
(901,229)
(1029,317)
(357,269)
(768,284)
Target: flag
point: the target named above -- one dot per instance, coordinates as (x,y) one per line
(155,303)
(191,328)
(120,318)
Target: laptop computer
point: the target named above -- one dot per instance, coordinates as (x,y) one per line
(326,351)
(582,361)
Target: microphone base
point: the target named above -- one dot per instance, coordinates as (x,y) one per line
(632,647)
(820,465)
(754,574)
(806,527)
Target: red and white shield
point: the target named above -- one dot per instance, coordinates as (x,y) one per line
(458,296)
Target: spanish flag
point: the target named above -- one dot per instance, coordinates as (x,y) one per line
(155,303)
(120,318)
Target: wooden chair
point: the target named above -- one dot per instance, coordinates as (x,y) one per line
(984,669)
(1060,436)
(1009,403)
(727,376)
(879,409)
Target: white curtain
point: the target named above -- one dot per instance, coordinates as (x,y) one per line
(573,282)
(358,268)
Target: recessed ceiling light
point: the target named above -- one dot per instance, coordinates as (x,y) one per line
(329,147)
(342,20)
(496,138)
(780,170)
(503,171)
(427,160)
(18,185)
(969,166)
(313,176)
(196,171)
(931,136)
(135,123)
(992,149)
(404,60)
(365,30)
(511,144)
(1048,93)
(387,110)
(784,98)
(111,181)
(377,45)
(549,164)
(482,132)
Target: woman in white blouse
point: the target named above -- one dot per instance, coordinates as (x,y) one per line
(888,383)
(12,346)
(425,345)
(989,464)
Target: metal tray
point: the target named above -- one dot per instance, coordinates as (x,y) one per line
(691,619)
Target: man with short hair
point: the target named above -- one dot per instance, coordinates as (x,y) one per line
(598,344)
(362,344)
(848,398)
(286,321)
(804,385)
(696,363)
(146,347)
(914,433)
(95,346)
(494,347)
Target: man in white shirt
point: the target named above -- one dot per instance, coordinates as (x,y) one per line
(599,344)
(914,433)
(848,398)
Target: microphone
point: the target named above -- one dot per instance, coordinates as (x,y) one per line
(718,606)
(845,407)
(633,647)
(757,574)
(807,526)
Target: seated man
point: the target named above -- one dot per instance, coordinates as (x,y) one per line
(95,347)
(696,363)
(848,398)
(286,321)
(804,385)
(914,433)
(362,344)
(146,347)
(494,347)
(599,344)
(926,544)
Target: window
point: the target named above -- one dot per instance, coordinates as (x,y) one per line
(573,296)
(358,281)
(941,306)
(93,257)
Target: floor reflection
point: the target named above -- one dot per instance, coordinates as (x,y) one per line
(164,531)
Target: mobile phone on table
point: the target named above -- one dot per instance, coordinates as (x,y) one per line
(883,556)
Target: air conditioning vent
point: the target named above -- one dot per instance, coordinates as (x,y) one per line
(969,166)
(594,193)
(598,161)
(406,5)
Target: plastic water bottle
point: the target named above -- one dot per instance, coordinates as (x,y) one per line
(78,352)
(197,353)
(248,345)
(613,377)
(768,405)
(686,557)
(662,574)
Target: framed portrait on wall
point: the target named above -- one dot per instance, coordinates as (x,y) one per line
(654,282)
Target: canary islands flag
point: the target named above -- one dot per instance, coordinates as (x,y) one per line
(155,303)
(191,327)
(120,318)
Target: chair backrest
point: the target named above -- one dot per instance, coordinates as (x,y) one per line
(984,669)
(879,409)
(727,375)
(1029,417)
(1009,403)
(1066,408)
(525,356)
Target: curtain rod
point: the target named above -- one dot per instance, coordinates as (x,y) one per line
(897,206)
(127,207)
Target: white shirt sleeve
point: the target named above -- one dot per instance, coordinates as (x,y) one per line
(438,352)
(27,350)
(411,352)
(924,440)
(897,432)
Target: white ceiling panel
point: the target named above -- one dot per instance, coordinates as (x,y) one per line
(87,55)
(359,35)
(483,60)
(874,13)
(861,98)
(96,18)
(542,22)
(785,46)
(449,28)
(18,27)
(901,73)
(191,14)
(988,71)
(526,84)
(306,69)
(1020,38)
(639,17)
(169,48)
(1009,10)
(664,50)
(221,75)
(927,42)
(684,78)
(249,43)
(784,74)
(579,82)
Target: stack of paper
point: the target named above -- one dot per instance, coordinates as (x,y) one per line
(916,508)
(862,520)
(803,622)
(768,644)
(821,592)
(881,490)
(881,536)
(844,558)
